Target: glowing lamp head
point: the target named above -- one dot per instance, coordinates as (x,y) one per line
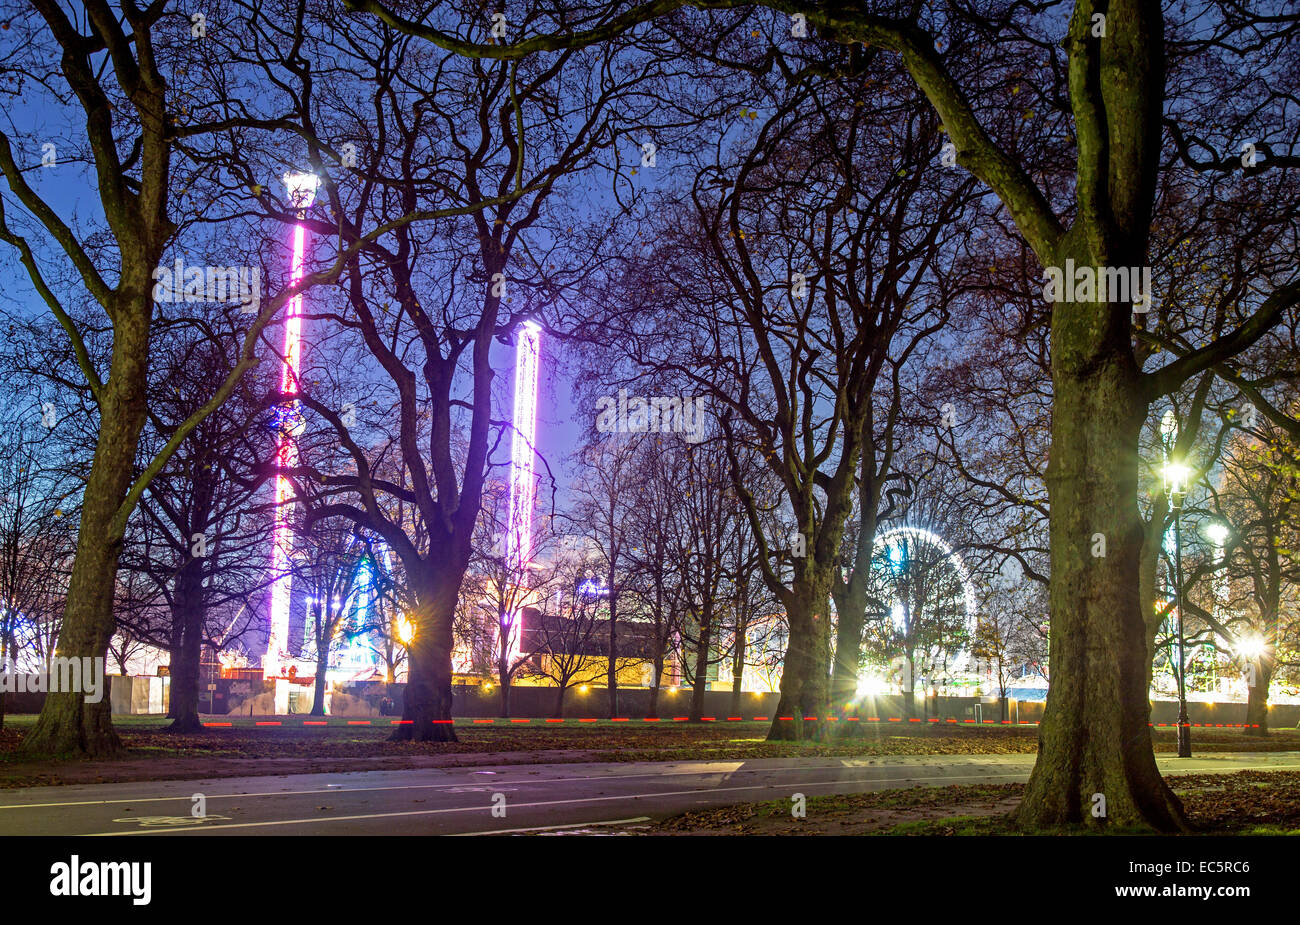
(302,188)
(405,631)
(1217,533)
(1176,476)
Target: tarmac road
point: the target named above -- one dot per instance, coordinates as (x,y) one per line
(550,797)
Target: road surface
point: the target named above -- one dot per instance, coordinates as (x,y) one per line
(460,801)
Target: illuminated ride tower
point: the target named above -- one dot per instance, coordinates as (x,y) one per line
(357,653)
(519,526)
(302,191)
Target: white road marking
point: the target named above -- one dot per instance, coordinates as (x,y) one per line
(1226,766)
(335,788)
(552,828)
(603,799)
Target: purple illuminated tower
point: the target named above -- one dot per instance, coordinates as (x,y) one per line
(519,526)
(302,191)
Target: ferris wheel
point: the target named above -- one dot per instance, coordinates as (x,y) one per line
(894,544)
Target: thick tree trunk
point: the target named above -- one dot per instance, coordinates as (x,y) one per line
(185,688)
(848,648)
(426,708)
(188,616)
(1094,738)
(805,673)
(69,724)
(851,601)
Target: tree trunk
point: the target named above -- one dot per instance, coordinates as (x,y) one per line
(848,648)
(174,654)
(851,601)
(737,688)
(185,688)
(324,634)
(5,646)
(909,693)
(1094,738)
(613,651)
(1148,578)
(1257,697)
(68,724)
(187,615)
(559,703)
(503,679)
(426,708)
(804,677)
(701,665)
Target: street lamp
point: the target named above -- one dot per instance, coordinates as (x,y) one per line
(1176,477)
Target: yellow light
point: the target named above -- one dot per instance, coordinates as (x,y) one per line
(405,631)
(583,689)
(870,687)
(1176,478)
(1251,646)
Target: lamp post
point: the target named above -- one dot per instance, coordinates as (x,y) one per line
(1176,478)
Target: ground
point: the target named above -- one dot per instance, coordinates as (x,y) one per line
(1244,803)
(245,749)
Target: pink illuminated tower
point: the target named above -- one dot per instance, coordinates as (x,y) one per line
(519,526)
(302,191)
